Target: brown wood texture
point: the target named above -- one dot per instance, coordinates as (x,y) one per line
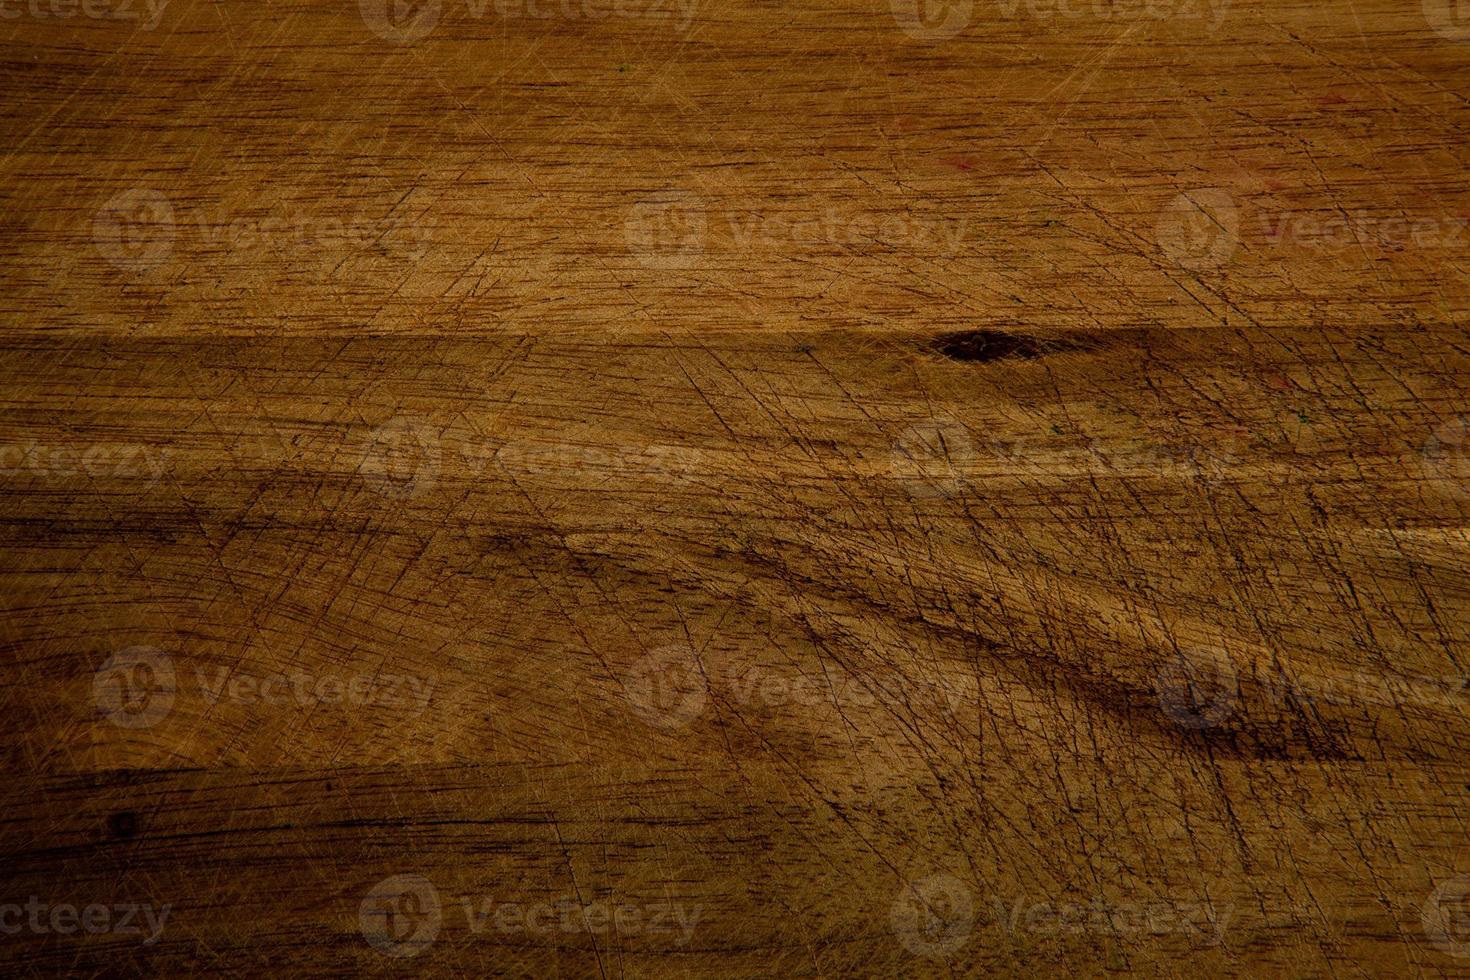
(631,488)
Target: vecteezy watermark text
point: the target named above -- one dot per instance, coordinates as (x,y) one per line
(568,914)
(408,455)
(1203,229)
(407,21)
(138,229)
(138,688)
(1200,688)
(938,20)
(936,916)
(1201,921)
(39,917)
(941,457)
(671,686)
(403,914)
(145,13)
(674,228)
(91,461)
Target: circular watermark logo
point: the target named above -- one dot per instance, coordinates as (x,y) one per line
(934,917)
(135,687)
(932,20)
(402,457)
(1446,916)
(400,21)
(1446,452)
(1449,18)
(667,231)
(135,229)
(667,688)
(400,915)
(931,458)
(1199,229)
(1198,688)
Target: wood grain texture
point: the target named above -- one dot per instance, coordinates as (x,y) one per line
(630,489)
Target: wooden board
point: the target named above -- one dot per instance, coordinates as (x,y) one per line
(629,489)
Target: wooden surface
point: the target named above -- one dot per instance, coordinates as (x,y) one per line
(629,489)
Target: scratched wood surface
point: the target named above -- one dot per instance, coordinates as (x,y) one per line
(651,489)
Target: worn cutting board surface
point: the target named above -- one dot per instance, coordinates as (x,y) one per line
(663,488)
